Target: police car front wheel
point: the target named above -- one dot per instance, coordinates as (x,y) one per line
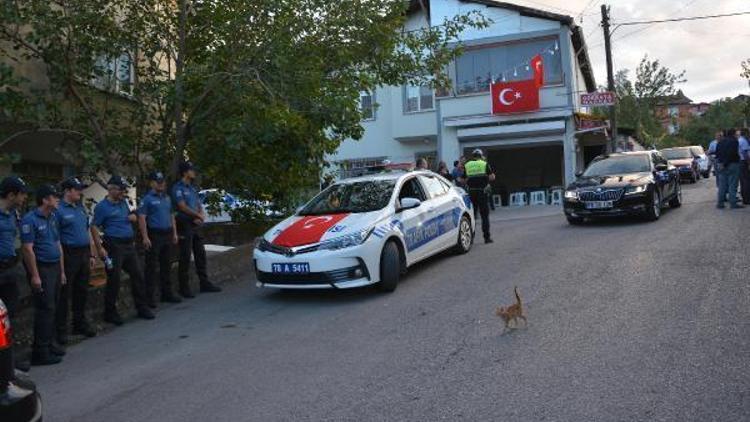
(465,236)
(390,267)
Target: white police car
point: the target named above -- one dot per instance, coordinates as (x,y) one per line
(365,230)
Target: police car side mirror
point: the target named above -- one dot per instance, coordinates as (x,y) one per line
(409,203)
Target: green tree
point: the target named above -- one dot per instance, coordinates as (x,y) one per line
(722,114)
(637,100)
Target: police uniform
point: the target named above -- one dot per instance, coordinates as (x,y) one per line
(190,239)
(10,272)
(478,172)
(42,232)
(112,217)
(157,210)
(73,221)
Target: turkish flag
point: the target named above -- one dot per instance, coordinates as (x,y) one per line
(515,97)
(538,66)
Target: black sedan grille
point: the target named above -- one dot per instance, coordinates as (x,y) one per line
(327,277)
(604,195)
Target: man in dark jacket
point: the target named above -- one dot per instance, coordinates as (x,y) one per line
(728,169)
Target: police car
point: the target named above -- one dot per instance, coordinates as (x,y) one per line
(365,230)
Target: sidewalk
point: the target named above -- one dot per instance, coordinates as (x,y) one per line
(519,213)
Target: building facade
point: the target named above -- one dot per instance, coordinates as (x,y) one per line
(529,150)
(676,111)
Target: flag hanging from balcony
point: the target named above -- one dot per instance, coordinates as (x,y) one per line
(518,96)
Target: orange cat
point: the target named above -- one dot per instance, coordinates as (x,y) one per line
(512,312)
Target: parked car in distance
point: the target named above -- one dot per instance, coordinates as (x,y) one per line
(704,161)
(628,183)
(19,399)
(229,202)
(686,162)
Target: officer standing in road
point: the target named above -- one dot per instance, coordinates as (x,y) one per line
(114,217)
(190,216)
(159,232)
(479,174)
(13,194)
(44,261)
(80,255)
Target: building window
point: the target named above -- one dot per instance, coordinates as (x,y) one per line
(114,74)
(367,105)
(478,67)
(674,111)
(419,98)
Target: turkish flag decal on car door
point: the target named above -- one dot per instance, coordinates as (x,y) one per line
(515,97)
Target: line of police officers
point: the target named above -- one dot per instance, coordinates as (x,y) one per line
(59,247)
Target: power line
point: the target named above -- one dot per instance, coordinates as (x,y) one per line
(590,3)
(691,18)
(637,31)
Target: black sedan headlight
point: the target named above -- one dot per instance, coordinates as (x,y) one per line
(571,194)
(636,190)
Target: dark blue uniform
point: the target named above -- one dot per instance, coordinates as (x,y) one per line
(157,209)
(73,221)
(10,273)
(43,232)
(112,217)
(191,240)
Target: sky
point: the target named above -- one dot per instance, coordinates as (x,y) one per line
(710,51)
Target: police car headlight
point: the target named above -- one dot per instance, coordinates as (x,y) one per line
(262,244)
(347,241)
(571,194)
(634,190)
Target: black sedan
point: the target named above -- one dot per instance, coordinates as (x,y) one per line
(686,161)
(629,183)
(19,400)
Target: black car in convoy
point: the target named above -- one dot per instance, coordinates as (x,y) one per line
(628,183)
(19,400)
(686,161)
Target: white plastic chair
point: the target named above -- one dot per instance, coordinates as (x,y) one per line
(518,199)
(556,196)
(538,197)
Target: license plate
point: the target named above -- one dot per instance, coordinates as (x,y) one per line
(598,205)
(297,268)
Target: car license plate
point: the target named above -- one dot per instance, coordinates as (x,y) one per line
(296,268)
(598,205)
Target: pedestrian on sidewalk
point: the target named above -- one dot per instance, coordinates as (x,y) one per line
(712,153)
(479,174)
(13,195)
(190,217)
(44,261)
(114,217)
(80,254)
(443,171)
(728,169)
(744,152)
(459,173)
(159,233)
(422,164)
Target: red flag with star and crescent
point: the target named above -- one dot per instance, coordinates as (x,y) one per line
(519,96)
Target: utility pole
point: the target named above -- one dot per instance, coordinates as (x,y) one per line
(610,77)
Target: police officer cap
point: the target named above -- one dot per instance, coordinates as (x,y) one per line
(73,183)
(46,190)
(13,184)
(118,181)
(477,153)
(186,166)
(156,176)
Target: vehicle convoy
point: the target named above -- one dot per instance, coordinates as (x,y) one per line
(629,183)
(686,162)
(365,230)
(19,400)
(704,162)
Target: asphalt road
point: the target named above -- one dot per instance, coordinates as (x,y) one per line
(628,321)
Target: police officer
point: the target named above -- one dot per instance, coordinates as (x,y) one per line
(114,217)
(159,233)
(479,174)
(80,255)
(13,194)
(45,264)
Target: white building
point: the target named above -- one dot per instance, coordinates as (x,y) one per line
(528,150)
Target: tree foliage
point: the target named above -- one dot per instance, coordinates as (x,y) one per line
(256,92)
(637,99)
(723,114)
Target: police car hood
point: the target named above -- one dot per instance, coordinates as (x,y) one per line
(299,230)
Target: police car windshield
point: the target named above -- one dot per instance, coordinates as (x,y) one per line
(618,165)
(351,198)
